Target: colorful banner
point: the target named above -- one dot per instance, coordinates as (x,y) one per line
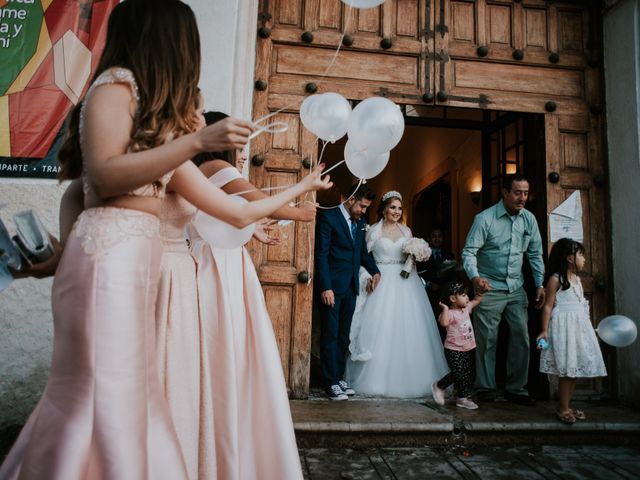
(48,53)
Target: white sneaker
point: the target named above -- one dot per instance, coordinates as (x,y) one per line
(336,393)
(346,388)
(466,403)
(438,393)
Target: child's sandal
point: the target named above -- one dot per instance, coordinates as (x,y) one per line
(579,414)
(566,417)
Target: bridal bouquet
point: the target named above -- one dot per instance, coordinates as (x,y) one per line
(417,250)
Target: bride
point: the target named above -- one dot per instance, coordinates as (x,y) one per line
(395,347)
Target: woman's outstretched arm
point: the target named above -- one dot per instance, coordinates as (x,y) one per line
(305,213)
(191,184)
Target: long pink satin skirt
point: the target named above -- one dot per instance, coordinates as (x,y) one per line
(102,414)
(254,434)
(183,364)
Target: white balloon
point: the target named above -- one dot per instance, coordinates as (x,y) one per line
(306,110)
(326,115)
(376,125)
(220,234)
(363,3)
(617,330)
(364,164)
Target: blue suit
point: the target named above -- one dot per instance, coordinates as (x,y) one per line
(338,260)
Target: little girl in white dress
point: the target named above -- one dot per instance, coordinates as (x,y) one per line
(573,350)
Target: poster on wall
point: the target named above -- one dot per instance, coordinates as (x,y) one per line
(48,53)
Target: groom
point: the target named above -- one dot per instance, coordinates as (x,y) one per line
(340,251)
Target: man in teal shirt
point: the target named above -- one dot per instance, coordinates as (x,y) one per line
(492,256)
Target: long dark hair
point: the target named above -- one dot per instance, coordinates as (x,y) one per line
(558,264)
(158,41)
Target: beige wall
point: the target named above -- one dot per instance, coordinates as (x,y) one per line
(423,156)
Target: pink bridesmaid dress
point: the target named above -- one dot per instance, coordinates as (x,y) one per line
(102,414)
(254,430)
(182,354)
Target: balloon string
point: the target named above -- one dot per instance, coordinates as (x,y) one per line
(360,182)
(272,128)
(283,187)
(336,165)
(322,77)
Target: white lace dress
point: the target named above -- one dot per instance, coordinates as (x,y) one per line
(573,346)
(396,350)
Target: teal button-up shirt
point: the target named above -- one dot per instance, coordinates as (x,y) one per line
(496,246)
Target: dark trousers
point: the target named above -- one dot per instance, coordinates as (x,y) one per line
(462,372)
(334,340)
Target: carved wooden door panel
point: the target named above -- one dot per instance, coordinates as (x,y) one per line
(574,162)
(514,55)
(283,270)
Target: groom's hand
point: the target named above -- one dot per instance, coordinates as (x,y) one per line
(328,298)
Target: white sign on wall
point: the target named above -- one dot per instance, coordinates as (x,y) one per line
(566,220)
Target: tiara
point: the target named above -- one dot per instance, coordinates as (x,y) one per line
(455,287)
(391,194)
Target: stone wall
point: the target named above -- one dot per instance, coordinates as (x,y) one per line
(622,80)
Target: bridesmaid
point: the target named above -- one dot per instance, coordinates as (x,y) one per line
(102,414)
(184,379)
(183,360)
(253,427)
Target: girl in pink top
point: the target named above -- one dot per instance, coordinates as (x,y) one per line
(458,346)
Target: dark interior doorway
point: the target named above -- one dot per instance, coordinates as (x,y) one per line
(510,142)
(432,209)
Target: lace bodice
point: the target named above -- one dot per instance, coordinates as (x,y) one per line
(571,299)
(119,75)
(175,214)
(387,251)
(102,228)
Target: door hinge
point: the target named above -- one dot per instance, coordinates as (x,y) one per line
(427,32)
(441,27)
(482,100)
(385,92)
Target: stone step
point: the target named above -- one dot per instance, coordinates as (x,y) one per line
(405,423)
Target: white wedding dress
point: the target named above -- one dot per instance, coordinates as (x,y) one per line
(395,348)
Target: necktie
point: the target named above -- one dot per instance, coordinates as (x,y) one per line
(436,255)
(354,224)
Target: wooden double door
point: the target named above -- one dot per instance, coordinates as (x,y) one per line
(530,56)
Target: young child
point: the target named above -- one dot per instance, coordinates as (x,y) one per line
(573,350)
(458,346)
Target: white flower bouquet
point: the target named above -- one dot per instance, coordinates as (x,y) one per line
(417,250)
